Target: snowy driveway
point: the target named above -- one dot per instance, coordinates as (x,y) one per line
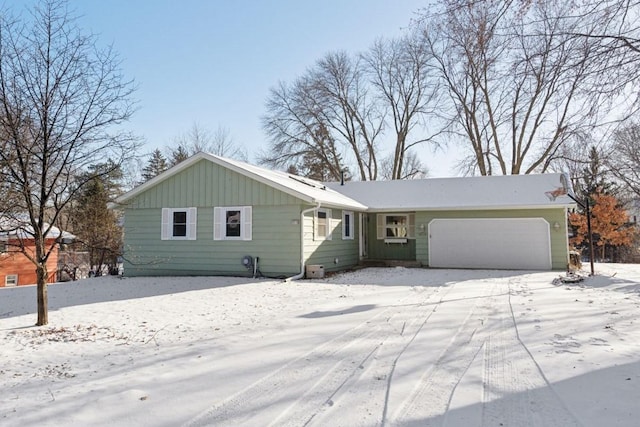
(374,347)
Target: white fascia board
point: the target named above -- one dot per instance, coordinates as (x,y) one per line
(467,208)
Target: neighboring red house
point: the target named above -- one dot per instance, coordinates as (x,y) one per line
(16,269)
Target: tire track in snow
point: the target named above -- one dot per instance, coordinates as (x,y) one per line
(431,398)
(515,389)
(333,362)
(350,404)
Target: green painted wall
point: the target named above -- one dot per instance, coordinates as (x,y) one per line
(559,246)
(207,184)
(325,252)
(276,241)
(379,250)
(275,229)
(204,185)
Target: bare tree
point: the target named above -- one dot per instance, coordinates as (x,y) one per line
(297,132)
(404,78)
(573,156)
(519,84)
(328,112)
(61,99)
(623,158)
(198,138)
(615,35)
(412,167)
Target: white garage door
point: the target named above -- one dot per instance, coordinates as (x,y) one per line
(501,243)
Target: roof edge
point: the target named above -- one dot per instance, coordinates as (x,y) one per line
(469,208)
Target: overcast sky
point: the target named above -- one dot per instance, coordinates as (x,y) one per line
(213,62)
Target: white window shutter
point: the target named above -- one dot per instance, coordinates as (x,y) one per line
(315,226)
(380,226)
(192,220)
(411,230)
(166,224)
(329,224)
(246,223)
(217,223)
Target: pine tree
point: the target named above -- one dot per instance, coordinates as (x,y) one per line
(594,177)
(155,166)
(96,226)
(179,154)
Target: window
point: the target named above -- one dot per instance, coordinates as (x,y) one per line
(232,223)
(11,280)
(179,223)
(347,225)
(322,224)
(395,226)
(3,246)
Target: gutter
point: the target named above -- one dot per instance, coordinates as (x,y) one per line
(302,214)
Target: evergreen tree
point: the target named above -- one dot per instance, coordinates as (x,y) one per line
(96,226)
(155,166)
(595,176)
(179,154)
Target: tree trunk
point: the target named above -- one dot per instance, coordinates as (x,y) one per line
(43,299)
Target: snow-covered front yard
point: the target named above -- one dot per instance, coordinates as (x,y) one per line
(378,346)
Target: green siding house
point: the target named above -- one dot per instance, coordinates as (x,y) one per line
(210,215)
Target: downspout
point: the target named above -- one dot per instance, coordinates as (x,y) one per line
(302,214)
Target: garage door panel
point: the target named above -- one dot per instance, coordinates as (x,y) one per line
(501,243)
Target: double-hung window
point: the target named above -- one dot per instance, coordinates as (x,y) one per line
(322,224)
(11,280)
(232,223)
(347,225)
(179,223)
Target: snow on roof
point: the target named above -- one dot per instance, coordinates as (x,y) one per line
(482,192)
(25,231)
(305,189)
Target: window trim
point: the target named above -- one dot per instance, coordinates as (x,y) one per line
(381,225)
(350,235)
(220,222)
(15,280)
(167,223)
(316,223)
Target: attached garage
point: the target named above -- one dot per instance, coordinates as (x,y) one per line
(493,243)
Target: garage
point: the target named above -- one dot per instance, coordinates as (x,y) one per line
(491,243)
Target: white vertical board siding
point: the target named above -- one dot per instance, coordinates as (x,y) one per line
(500,243)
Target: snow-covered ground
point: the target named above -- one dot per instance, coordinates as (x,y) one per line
(378,346)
